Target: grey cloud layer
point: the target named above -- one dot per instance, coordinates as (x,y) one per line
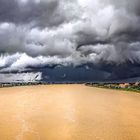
(21,77)
(47,32)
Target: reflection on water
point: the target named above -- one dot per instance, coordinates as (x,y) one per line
(68,112)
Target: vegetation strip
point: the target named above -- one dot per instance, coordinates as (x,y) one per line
(135,87)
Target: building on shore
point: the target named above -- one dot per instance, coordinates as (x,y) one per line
(125,85)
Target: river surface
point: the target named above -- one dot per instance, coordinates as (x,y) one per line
(68,112)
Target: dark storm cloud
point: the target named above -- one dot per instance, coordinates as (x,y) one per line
(52,32)
(34,12)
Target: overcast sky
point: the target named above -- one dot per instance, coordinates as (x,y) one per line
(37,33)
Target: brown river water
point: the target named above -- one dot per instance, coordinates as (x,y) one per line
(68,112)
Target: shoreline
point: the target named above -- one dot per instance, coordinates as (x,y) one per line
(117,91)
(51,84)
(127,90)
(36,84)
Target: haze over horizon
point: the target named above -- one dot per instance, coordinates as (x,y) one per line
(73,40)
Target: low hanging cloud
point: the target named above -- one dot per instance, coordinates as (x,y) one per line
(36,33)
(20,77)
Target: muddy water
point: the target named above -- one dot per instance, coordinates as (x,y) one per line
(68,112)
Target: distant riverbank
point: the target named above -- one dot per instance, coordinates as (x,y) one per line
(134,87)
(6,85)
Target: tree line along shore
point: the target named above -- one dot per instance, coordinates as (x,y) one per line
(2,85)
(118,86)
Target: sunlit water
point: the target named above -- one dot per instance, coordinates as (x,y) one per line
(68,112)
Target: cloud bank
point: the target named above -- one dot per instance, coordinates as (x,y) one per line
(21,77)
(36,33)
